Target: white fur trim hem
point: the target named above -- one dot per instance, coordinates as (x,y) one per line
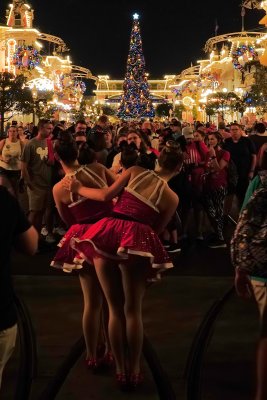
(66,267)
(122,254)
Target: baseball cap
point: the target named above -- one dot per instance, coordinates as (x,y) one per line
(187,132)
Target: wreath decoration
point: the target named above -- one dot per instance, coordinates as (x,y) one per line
(240,51)
(26,57)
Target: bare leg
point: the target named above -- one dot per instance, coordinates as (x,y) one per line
(36,219)
(49,217)
(110,279)
(105,320)
(134,284)
(4,181)
(92,296)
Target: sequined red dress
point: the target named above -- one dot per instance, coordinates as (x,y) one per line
(85,212)
(128,230)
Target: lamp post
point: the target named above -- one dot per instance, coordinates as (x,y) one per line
(34,96)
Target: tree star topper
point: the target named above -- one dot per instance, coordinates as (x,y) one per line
(135,16)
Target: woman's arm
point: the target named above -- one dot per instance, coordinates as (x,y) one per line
(217,166)
(104,194)
(58,193)
(214,163)
(110,176)
(2,143)
(260,157)
(27,242)
(166,213)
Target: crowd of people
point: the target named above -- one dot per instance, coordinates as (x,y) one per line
(124,198)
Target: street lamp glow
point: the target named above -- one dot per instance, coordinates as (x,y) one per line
(135,16)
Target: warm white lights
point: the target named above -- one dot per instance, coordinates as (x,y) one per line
(42,84)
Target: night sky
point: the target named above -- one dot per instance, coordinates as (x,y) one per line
(173,33)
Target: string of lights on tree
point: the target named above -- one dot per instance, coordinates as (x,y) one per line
(135,100)
(26,57)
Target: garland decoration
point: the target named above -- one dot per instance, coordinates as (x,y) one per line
(241,51)
(26,57)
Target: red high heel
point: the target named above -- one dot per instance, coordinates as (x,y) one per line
(108,360)
(122,381)
(136,380)
(92,364)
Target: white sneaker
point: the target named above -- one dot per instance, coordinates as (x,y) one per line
(50,238)
(59,230)
(44,231)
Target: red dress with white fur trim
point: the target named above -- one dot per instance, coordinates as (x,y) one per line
(128,230)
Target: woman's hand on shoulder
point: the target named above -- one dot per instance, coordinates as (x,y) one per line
(71,184)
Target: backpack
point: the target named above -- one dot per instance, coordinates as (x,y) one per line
(232,174)
(249,242)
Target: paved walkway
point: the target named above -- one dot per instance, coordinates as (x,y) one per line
(173,310)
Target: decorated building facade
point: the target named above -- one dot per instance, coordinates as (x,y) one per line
(40,57)
(223,70)
(25,50)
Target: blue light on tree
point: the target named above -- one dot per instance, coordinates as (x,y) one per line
(135,100)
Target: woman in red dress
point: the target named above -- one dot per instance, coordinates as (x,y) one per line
(215,187)
(128,241)
(80,213)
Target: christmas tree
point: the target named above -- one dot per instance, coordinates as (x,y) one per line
(135,100)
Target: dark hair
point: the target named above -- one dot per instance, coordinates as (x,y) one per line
(122,145)
(221,125)
(199,125)
(143,146)
(202,134)
(34,131)
(56,132)
(66,147)
(103,119)
(147,160)
(260,127)
(129,156)
(218,137)
(145,137)
(43,122)
(86,154)
(97,141)
(81,121)
(175,122)
(171,156)
(71,129)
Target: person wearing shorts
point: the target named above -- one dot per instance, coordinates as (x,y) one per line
(37,174)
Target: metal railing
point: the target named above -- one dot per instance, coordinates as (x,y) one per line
(194,365)
(28,352)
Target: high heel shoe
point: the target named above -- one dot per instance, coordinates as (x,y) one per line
(108,360)
(135,380)
(122,381)
(92,364)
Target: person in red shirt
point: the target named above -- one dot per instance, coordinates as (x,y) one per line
(215,186)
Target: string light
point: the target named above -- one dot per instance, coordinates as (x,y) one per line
(135,101)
